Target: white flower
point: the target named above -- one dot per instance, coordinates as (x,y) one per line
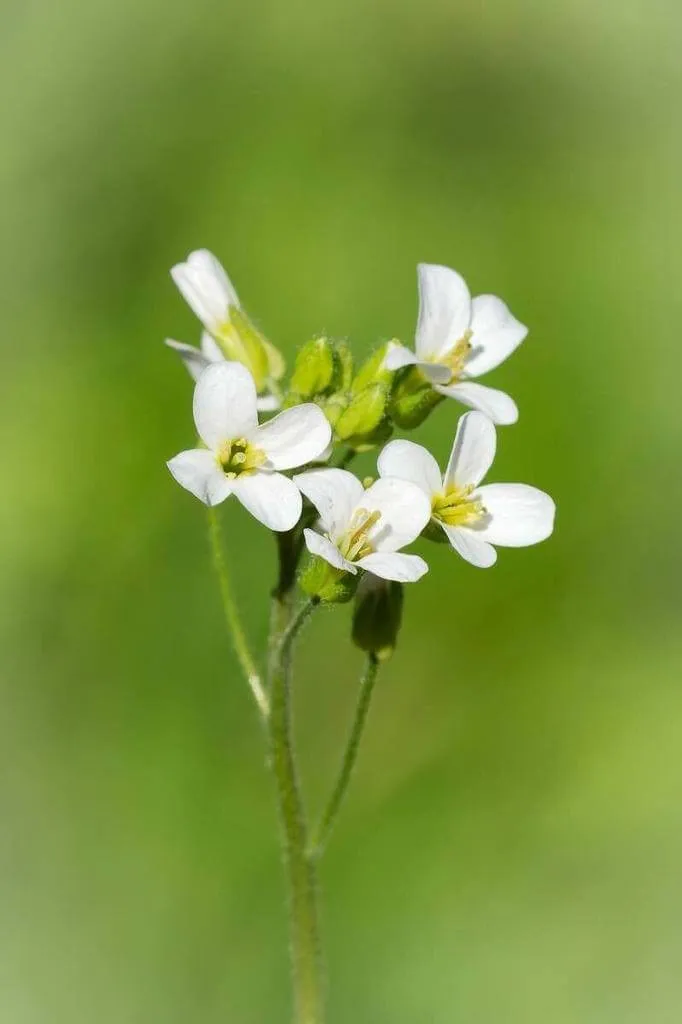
(473,517)
(197,359)
(459,338)
(203,282)
(243,458)
(364,529)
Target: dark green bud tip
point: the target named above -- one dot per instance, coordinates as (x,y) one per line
(377,615)
(314,368)
(327,583)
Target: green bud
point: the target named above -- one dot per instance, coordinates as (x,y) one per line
(377,615)
(313,369)
(373,372)
(331,585)
(364,413)
(373,440)
(413,399)
(333,407)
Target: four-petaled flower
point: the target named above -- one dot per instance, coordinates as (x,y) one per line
(365,529)
(459,338)
(243,458)
(473,517)
(228,334)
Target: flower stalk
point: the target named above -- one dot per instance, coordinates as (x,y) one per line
(328,818)
(300,870)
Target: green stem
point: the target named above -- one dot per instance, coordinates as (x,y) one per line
(328,818)
(305,948)
(232,618)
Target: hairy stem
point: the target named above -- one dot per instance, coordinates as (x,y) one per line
(305,947)
(328,819)
(232,618)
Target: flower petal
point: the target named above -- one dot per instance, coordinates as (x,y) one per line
(469,545)
(398,356)
(194,360)
(225,403)
(405,511)
(444,309)
(409,461)
(211,348)
(267,403)
(473,451)
(206,287)
(518,515)
(392,566)
(198,472)
(496,404)
(334,493)
(323,547)
(295,436)
(271,498)
(495,334)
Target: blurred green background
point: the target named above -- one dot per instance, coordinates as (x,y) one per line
(511,849)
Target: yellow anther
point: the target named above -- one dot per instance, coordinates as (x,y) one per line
(456,358)
(239,456)
(455,508)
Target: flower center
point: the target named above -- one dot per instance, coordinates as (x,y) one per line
(456,507)
(456,358)
(354,543)
(239,456)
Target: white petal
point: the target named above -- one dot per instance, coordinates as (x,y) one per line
(211,348)
(405,511)
(267,403)
(295,437)
(198,471)
(225,403)
(496,404)
(469,545)
(194,360)
(271,498)
(409,461)
(319,545)
(397,357)
(392,566)
(496,333)
(334,493)
(206,287)
(444,309)
(472,452)
(519,515)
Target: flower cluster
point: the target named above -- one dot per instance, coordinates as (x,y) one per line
(351,528)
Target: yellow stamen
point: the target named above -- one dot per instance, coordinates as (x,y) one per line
(354,544)
(456,358)
(239,456)
(454,508)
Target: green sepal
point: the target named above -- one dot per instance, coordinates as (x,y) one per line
(343,367)
(377,615)
(432,531)
(331,585)
(413,399)
(241,342)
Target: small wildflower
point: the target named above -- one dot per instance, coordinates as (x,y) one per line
(474,518)
(243,458)
(459,338)
(366,529)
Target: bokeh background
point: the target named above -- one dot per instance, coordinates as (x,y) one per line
(512,845)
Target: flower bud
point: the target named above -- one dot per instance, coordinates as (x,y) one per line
(373,372)
(377,615)
(343,367)
(314,369)
(363,415)
(412,400)
(325,581)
